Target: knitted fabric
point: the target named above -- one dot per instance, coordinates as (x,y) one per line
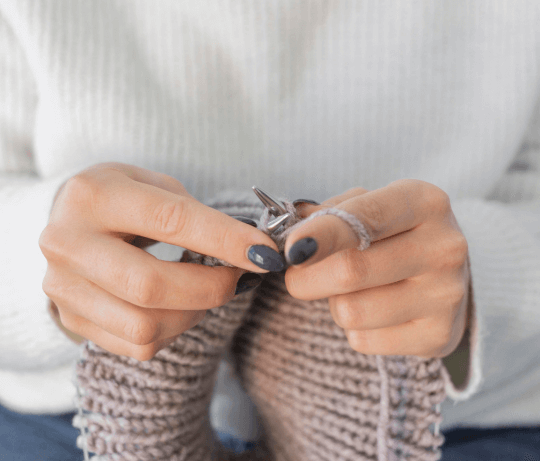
(318,399)
(321,400)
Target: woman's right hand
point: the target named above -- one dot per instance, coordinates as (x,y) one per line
(119,296)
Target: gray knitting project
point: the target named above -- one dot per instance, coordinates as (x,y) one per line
(318,399)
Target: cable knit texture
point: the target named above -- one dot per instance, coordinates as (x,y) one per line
(318,399)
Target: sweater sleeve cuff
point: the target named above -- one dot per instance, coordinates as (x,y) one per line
(504,265)
(30,339)
(462,372)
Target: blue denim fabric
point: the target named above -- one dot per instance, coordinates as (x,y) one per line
(508,444)
(52,438)
(38,437)
(234,444)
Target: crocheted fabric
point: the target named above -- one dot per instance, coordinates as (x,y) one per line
(318,399)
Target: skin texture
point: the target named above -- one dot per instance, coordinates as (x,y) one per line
(104,287)
(407,294)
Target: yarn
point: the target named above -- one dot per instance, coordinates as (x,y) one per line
(318,398)
(321,400)
(280,235)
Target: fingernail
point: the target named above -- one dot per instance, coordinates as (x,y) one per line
(266,258)
(302,250)
(243,219)
(247,282)
(300,201)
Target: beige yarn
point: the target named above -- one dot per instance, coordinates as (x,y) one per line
(318,399)
(321,400)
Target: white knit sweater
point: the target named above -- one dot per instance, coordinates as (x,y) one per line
(303,98)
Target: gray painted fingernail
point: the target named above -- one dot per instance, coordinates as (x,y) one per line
(302,250)
(247,282)
(245,220)
(266,258)
(300,201)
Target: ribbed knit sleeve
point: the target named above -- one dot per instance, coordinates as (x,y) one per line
(503,233)
(29,339)
(304,99)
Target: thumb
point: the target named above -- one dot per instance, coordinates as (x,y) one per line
(323,236)
(318,239)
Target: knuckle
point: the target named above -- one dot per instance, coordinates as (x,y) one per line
(218,293)
(356,191)
(143,286)
(346,315)
(47,242)
(70,322)
(51,242)
(144,353)
(457,294)
(360,342)
(85,192)
(452,250)
(82,186)
(51,286)
(291,283)
(295,282)
(169,218)
(172,183)
(141,331)
(374,216)
(225,239)
(448,296)
(353,270)
(460,248)
(437,199)
(442,337)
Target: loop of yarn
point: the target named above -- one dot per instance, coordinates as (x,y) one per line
(294,222)
(354,223)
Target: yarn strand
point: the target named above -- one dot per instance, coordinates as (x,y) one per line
(384,403)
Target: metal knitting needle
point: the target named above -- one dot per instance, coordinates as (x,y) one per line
(275,224)
(275,207)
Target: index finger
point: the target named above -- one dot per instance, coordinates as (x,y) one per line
(125,205)
(384,212)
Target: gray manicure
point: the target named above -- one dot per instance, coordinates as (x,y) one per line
(266,258)
(245,220)
(302,250)
(247,282)
(301,201)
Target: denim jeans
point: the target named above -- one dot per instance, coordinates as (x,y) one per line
(38,437)
(52,438)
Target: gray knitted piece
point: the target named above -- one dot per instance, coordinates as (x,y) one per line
(318,398)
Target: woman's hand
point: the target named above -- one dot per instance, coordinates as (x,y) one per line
(407,294)
(115,294)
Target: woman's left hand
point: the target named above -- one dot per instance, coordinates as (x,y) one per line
(407,294)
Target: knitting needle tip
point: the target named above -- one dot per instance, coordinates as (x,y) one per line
(275,207)
(276,223)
